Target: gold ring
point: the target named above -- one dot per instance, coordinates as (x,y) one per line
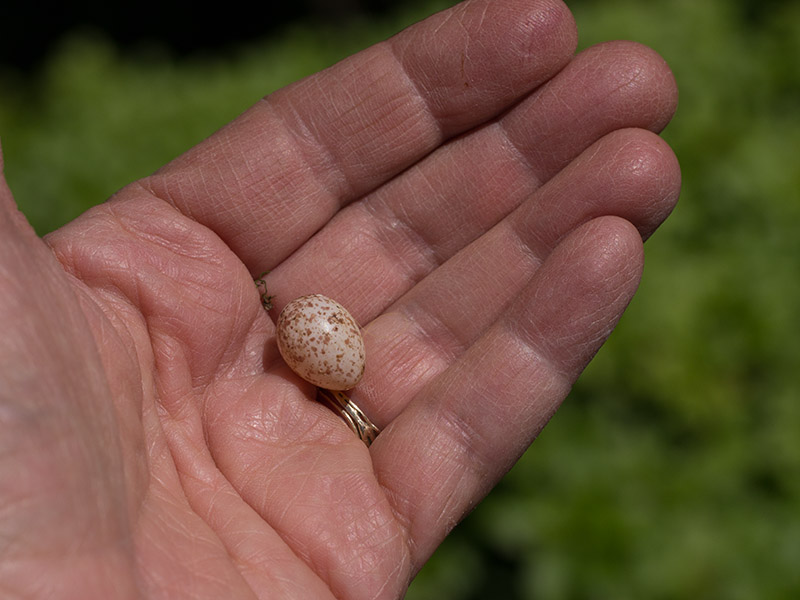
(355,418)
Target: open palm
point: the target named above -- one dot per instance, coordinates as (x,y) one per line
(474,195)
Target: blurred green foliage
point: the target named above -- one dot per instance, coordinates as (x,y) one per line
(673,470)
(92,119)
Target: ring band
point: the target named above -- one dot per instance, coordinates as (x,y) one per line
(355,418)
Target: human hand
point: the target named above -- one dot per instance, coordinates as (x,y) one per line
(472,193)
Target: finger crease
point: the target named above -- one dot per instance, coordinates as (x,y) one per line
(419,92)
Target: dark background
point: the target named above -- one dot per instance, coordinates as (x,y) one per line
(29,32)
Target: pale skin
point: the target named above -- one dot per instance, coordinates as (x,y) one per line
(472,192)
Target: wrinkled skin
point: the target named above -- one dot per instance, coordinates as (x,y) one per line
(470,190)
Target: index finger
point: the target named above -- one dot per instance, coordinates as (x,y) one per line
(270,179)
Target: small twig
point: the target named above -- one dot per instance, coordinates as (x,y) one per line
(261,284)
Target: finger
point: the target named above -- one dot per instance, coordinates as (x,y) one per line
(622,84)
(401,232)
(273,177)
(630,173)
(468,426)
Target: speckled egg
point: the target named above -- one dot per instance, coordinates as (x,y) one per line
(321,342)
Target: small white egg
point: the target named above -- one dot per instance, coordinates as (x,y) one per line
(321,342)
